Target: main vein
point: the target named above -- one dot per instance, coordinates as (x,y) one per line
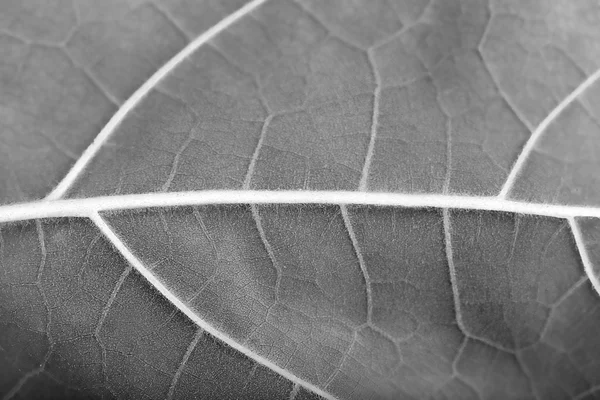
(53,206)
(89,206)
(89,153)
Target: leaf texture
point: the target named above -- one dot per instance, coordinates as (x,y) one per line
(522,300)
(77,322)
(67,66)
(441,157)
(291,99)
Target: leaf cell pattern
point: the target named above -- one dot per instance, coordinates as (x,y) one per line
(489,99)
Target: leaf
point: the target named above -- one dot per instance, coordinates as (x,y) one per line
(67,66)
(392,199)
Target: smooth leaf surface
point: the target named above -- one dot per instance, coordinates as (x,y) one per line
(471,272)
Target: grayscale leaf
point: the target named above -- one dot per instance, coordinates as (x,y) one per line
(299,199)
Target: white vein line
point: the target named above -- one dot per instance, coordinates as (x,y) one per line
(452,270)
(257,150)
(458,355)
(454,284)
(21,382)
(541,128)
(111,300)
(361,261)
(122,248)
(197,336)
(374,123)
(591,390)
(105,311)
(585,258)
(268,248)
(141,92)
(88,206)
(448,126)
(557,303)
(294,392)
(176,161)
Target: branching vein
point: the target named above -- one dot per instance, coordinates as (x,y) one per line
(142,91)
(137,264)
(361,262)
(55,206)
(111,300)
(268,248)
(541,128)
(176,161)
(14,391)
(257,150)
(452,269)
(374,124)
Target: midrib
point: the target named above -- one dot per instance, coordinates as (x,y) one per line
(85,207)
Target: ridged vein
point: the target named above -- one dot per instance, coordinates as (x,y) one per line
(541,128)
(184,360)
(585,258)
(137,264)
(86,207)
(361,261)
(374,124)
(89,153)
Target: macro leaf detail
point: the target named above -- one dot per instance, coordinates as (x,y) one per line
(300,199)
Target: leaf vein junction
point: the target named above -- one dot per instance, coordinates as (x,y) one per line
(137,264)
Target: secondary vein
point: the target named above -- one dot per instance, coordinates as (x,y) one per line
(139,266)
(541,128)
(89,153)
(585,259)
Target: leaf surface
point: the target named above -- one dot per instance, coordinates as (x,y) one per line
(382,199)
(66,68)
